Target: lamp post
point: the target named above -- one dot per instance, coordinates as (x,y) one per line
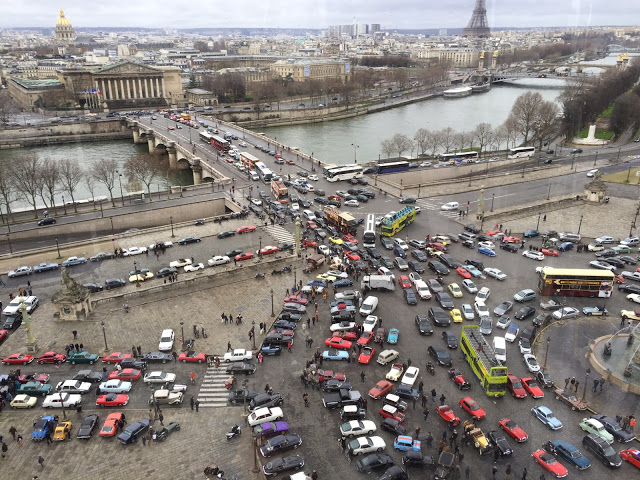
(171,221)
(355,152)
(182,332)
(580,225)
(253,333)
(618,159)
(538,225)
(595,159)
(64,205)
(255,468)
(546,353)
(549,192)
(244,397)
(493,197)
(272,312)
(586,380)
(573,160)
(135,269)
(260,240)
(104,334)
(58,247)
(295,276)
(120,181)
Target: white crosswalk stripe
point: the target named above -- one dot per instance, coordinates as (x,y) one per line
(279,233)
(212,392)
(436,207)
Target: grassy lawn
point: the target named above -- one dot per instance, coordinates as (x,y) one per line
(600,134)
(621,177)
(606,113)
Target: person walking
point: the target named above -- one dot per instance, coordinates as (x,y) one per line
(192,403)
(144,440)
(467,472)
(314,475)
(421,387)
(596,382)
(494,470)
(13,431)
(507,472)
(41,461)
(577,383)
(524,473)
(417,432)
(161,418)
(433,395)
(197,404)
(442,399)
(5,449)
(425,412)
(75,335)
(573,382)
(429,440)
(362,376)
(229,346)
(305,397)
(423,400)
(601,383)
(566,382)
(175,357)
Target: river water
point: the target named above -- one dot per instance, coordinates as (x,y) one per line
(331,142)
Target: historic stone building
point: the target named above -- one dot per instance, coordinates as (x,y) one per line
(64,30)
(302,70)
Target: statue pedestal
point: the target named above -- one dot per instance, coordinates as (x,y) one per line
(32,347)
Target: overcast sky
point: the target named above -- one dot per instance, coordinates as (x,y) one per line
(400,14)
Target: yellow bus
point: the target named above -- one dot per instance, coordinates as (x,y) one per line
(390,226)
(185,116)
(576,282)
(280,191)
(491,373)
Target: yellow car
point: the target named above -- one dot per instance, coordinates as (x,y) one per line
(455,290)
(62,432)
(23,401)
(432,252)
(630,314)
(336,240)
(326,277)
(142,275)
(456,316)
(181,262)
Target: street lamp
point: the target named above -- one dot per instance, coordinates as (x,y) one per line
(64,205)
(260,239)
(596,158)
(253,333)
(355,152)
(104,334)
(135,269)
(549,192)
(58,247)
(171,221)
(546,353)
(272,312)
(580,225)
(538,225)
(493,197)
(120,180)
(295,274)
(586,380)
(255,468)
(182,332)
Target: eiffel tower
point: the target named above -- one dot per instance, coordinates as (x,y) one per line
(478,25)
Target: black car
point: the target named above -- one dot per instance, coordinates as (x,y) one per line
(606,253)
(444,466)
(541,319)
(133,363)
(238,396)
(226,233)
(266,400)
(629,288)
(290,316)
(394,426)
(93,287)
(367,193)
(334,385)
(445,301)
(405,391)
(102,256)
(278,338)
(450,338)
(12,321)
(134,431)
(499,441)
(471,228)
(524,313)
(424,326)
(281,323)
(416,459)
(158,357)
(410,297)
(440,355)
(544,379)
(439,316)
(373,251)
(483,237)
(88,424)
(114,283)
(387,262)
(434,286)
(415,266)
(601,449)
(375,461)
(528,333)
(188,240)
(88,376)
(469,244)
(280,443)
(407,200)
(479,265)
(277,465)
(241,367)
(614,428)
(419,255)
(509,247)
(386,243)
(449,261)
(47,221)
(616,262)
(438,267)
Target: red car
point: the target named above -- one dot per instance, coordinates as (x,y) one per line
(244,256)
(470,406)
(549,462)
(389,411)
(170,128)
(277,155)
(17,359)
(437,246)
(337,342)
(350,238)
(229,160)
(458,379)
(463,272)
(245,229)
(115,357)
(110,427)
(3,334)
(192,357)
(346,335)
(309,243)
(352,256)
(531,386)
(381,389)
(491,233)
(33,377)
(448,415)
(513,430)
(311,224)
(329,375)
(112,400)
(52,357)
(268,250)
(551,253)
(366,355)
(511,239)
(631,455)
(365,338)
(296,299)
(126,375)
(515,386)
(404,281)
(290,162)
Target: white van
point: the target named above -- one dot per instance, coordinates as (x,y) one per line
(369,305)
(254,176)
(500,348)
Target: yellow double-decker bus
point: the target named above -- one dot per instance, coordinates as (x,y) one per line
(491,373)
(390,226)
(576,282)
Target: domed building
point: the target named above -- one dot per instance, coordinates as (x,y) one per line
(64,30)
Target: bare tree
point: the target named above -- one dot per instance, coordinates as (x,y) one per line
(546,121)
(8,106)
(49,182)
(498,137)
(447,138)
(433,142)
(26,177)
(525,111)
(90,183)
(7,188)
(462,138)
(144,168)
(511,130)
(421,138)
(388,147)
(482,134)
(105,172)
(70,176)
(402,143)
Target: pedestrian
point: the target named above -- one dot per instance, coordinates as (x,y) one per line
(75,334)
(425,412)
(433,395)
(287,292)
(260,358)
(573,382)
(423,400)
(494,470)
(601,383)
(134,352)
(229,346)
(566,382)
(496,455)
(308,323)
(314,475)
(41,461)
(5,449)
(524,473)
(507,472)
(467,471)
(47,436)
(144,440)
(364,404)
(305,397)
(175,357)
(596,382)
(415,400)
(429,440)
(632,423)
(577,383)
(197,405)
(417,433)
(441,446)
(421,387)
(161,418)
(13,431)
(442,399)
(139,350)
(408,362)
(444,435)
(19,440)
(343,443)
(460,454)
(289,346)
(362,376)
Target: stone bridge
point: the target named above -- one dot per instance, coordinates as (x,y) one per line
(180,157)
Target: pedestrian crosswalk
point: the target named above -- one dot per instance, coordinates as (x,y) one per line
(212,392)
(279,233)
(431,205)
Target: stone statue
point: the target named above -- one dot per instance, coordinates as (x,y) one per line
(71,302)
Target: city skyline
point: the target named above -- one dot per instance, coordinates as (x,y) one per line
(311,14)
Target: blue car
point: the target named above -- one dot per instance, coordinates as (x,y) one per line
(393,335)
(271,350)
(531,233)
(41,427)
(69,262)
(343,282)
(45,267)
(404,443)
(546,416)
(563,247)
(486,251)
(569,453)
(335,355)
(317,283)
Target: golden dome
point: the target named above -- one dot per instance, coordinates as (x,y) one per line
(62,21)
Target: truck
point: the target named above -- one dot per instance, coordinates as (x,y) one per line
(342,398)
(341,221)
(377,282)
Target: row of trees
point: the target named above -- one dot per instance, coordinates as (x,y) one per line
(32,179)
(531,120)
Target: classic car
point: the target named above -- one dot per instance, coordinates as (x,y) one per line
(591,425)
(42,426)
(17,359)
(499,441)
(380,389)
(115,357)
(569,452)
(335,355)
(88,424)
(269,429)
(532,387)
(73,386)
(546,416)
(114,386)
(448,415)
(52,357)
(281,464)
(549,463)
(389,411)
(240,367)
(570,399)
(45,267)
(514,430)
(158,357)
(62,432)
(631,455)
(405,443)
(166,397)
(110,426)
(34,388)
(112,400)
(355,428)
(23,401)
(366,355)
(59,400)
(458,379)
(362,445)
(127,374)
(82,357)
(71,261)
(595,311)
(134,431)
(480,440)
(33,377)
(192,357)
(470,406)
